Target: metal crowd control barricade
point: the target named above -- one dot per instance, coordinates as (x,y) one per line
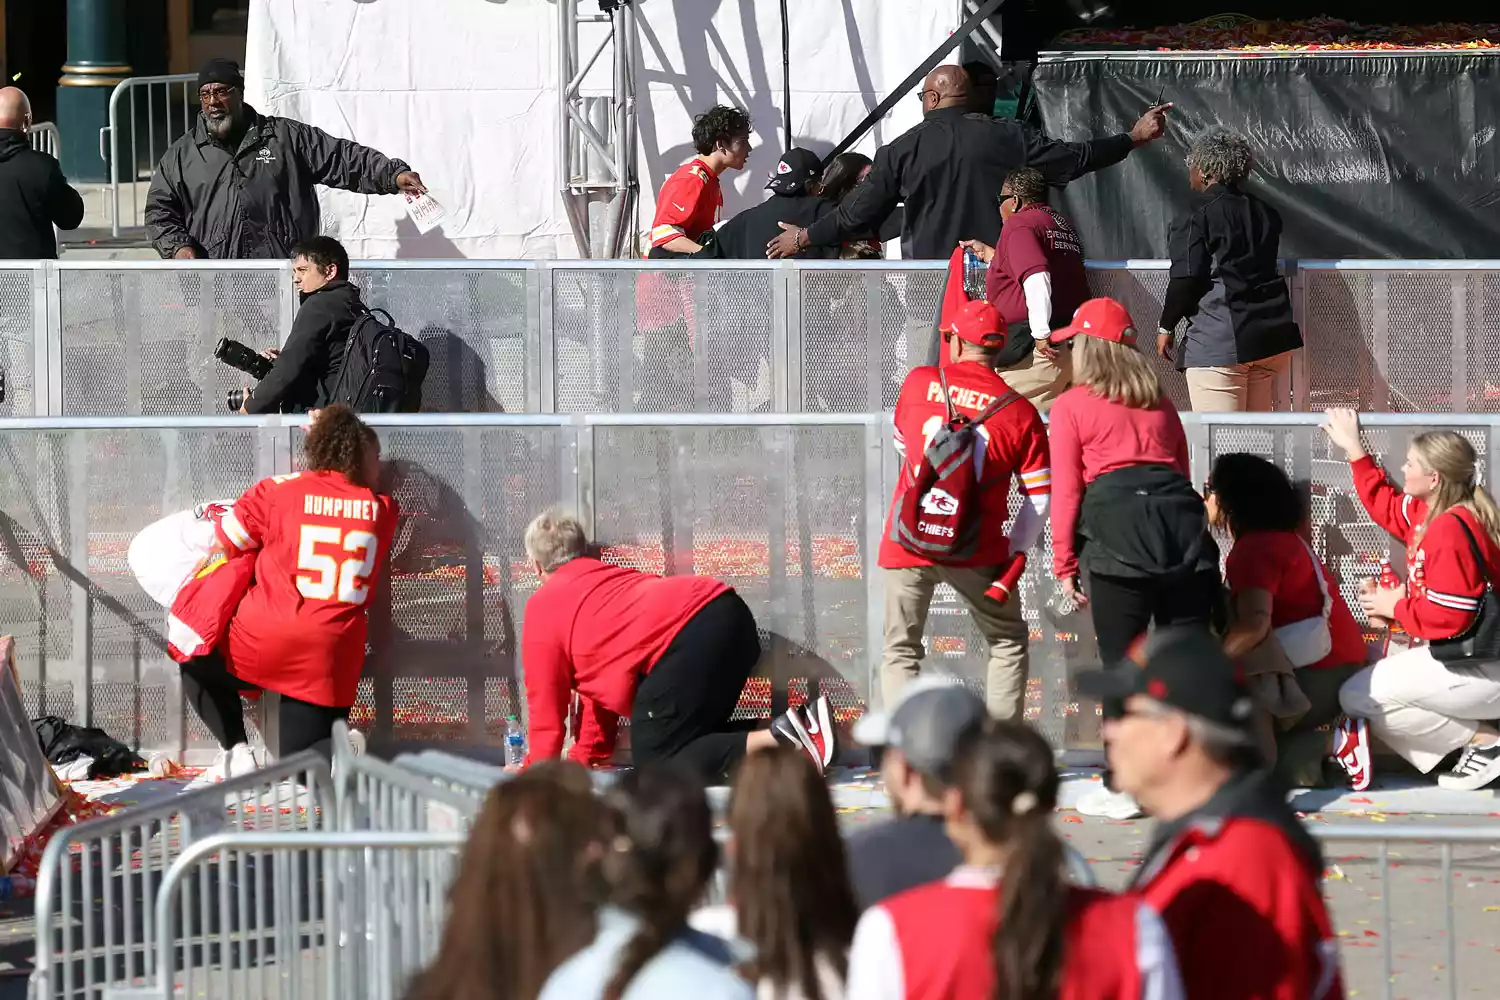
(44,138)
(96,922)
(1445,839)
(170,106)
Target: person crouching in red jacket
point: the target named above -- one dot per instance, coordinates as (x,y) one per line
(1230,869)
(672,653)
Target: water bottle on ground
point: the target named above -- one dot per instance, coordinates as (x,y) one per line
(14,887)
(515,742)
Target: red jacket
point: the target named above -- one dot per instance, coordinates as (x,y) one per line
(597,629)
(935,942)
(1237,883)
(1444,582)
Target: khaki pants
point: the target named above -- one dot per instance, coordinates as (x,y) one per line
(1420,708)
(1039,378)
(908,594)
(1249,388)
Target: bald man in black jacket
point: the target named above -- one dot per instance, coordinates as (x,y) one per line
(948,170)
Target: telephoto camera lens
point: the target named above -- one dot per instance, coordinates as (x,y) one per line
(237,355)
(236,400)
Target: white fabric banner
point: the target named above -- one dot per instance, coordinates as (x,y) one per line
(466,92)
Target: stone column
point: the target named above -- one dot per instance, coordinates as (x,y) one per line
(96,63)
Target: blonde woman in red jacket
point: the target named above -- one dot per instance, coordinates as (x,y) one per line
(1423,708)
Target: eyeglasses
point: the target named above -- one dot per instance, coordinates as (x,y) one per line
(1002,199)
(922,94)
(215,93)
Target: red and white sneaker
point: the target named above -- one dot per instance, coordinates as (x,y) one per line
(1351,748)
(809,729)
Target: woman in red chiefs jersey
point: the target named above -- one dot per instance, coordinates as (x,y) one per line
(1006,923)
(1278,585)
(1123,507)
(319,539)
(1421,706)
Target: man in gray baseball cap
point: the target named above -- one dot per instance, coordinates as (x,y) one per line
(917,742)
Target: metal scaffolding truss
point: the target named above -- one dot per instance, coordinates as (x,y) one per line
(597,157)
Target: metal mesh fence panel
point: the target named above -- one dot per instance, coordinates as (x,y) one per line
(140,341)
(648,340)
(474,322)
(1142,291)
(862,330)
(446,660)
(778,513)
(18,340)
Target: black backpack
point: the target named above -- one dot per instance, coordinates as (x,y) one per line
(383,367)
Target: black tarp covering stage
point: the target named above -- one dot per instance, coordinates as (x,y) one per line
(1385,155)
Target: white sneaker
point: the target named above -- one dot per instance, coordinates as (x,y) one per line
(1105,804)
(235,762)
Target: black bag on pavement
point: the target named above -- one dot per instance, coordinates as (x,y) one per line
(383,367)
(63,742)
(1481,642)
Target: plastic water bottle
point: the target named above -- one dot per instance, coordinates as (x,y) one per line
(515,742)
(14,887)
(975,273)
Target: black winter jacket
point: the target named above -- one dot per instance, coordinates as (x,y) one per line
(34,197)
(948,169)
(745,236)
(259,199)
(1145,521)
(303,376)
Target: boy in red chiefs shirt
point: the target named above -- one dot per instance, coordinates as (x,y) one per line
(319,540)
(686,209)
(1230,868)
(1014,446)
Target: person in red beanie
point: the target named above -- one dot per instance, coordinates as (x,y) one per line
(1014,446)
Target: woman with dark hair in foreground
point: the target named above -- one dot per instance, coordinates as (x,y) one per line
(788,880)
(1006,924)
(523,898)
(659,856)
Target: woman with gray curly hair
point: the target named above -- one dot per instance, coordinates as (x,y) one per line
(1240,332)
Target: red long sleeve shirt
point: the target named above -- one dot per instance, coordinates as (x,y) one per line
(1444,582)
(597,629)
(1092,435)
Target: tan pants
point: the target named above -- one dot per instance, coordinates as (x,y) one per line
(1420,708)
(908,594)
(1039,378)
(1249,388)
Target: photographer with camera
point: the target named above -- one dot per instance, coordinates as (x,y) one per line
(302,376)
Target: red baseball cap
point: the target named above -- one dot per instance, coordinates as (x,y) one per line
(1102,318)
(979,323)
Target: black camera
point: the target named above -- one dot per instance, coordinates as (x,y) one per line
(236,355)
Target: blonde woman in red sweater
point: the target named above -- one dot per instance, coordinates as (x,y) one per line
(1123,507)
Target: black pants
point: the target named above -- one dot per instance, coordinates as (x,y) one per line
(682,707)
(214,694)
(1124,607)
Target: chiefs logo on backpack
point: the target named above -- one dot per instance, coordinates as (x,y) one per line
(937,516)
(383,367)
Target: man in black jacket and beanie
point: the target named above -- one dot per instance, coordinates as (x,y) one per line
(949,168)
(308,365)
(242,185)
(34,195)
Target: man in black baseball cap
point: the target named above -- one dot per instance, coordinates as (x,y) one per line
(1230,868)
(240,184)
(795,191)
(918,742)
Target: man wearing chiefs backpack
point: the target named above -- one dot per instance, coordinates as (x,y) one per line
(963,434)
